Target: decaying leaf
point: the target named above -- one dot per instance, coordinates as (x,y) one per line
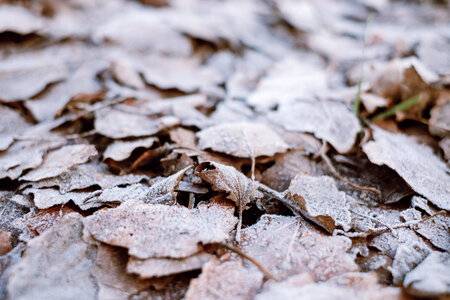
(408,159)
(242,139)
(57,264)
(436,231)
(121,150)
(227,278)
(158,267)
(110,272)
(169,231)
(229,180)
(319,199)
(61,160)
(347,286)
(289,245)
(11,126)
(85,176)
(328,120)
(430,278)
(164,191)
(118,124)
(23,155)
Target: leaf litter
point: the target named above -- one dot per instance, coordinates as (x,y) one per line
(173,149)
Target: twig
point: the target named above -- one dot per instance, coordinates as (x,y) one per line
(327,160)
(241,253)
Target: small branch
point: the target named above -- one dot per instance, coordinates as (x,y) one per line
(241,253)
(326,159)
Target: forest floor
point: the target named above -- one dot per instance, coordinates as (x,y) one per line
(258,149)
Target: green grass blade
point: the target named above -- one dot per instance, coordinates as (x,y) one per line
(397,108)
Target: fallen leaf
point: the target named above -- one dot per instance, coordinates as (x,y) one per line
(158,267)
(318,199)
(11,127)
(61,160)
(242,139)
(406,158)
(20,20)
(58,263)
(121,150)
(171,231)
(328,120)
(228,279)
(430,278)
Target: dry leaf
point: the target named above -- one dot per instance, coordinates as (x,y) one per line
(407,158)
(227,279)
(117,124)
(158,267)
(352,286)
(227,179)
(319,200)
(12,126)
(56,264)
(163,192)
(121,150)
(431,277)
(159,230)
(60,161)
(289,245)
(20,20)
(111,274)
(436,231)
(328,120)
(242,139)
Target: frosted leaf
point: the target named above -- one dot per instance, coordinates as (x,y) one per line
(121,150)
(350,286)
(285,169)
(229,180)
(24,77)
(440,119)
(111,274)
(129,28)
(406,258)
(23,155)
(328,120)
(160,230)
(319,199)
(408,159)
(431,278)
(118,124)
(11,126)
(189,77)
(56,264)
(445,146)
(85,176)
(436,231)
(20,20)
(48,197)
(6,264)
(158,267)
(289,245)
(242,139)
(226,279)
(61,160)
(292,78)
(163,191)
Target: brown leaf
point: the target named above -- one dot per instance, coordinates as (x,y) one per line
(328,120)
(118,124)
(228,180)
(228,279)
(121,150)
(407,159)
(319,199)
(60,161)
(289,245)
(347,286)
(158,267)
(56,264)
(242,139)
(430,278)
(159,230)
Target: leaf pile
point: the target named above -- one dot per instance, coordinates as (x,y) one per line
(173,149)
